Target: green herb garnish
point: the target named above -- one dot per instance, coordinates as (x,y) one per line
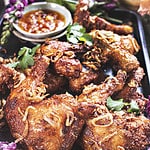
(77,33)
(134,107)
(115,104)
(25,58)
(118,105)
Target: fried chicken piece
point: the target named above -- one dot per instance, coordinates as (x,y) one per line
(54,49)
(107,46)
(117,50)
(53,123)
(76,85)
(31,88)
(41,122)
(55,82)
(132,83)
(124,60)
(97,94)
(68,67)
(109,38)
(107,130)
(118,130)
(63,56)
(129,91)
(82,16)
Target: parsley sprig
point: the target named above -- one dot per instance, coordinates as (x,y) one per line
(118,105)
(25,58)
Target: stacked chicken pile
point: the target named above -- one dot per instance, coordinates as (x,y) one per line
(62,99)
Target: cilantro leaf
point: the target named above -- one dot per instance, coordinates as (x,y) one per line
(134,107)
(77,33)
(118,105)
(86,38)
(115,104)
(13,65)
(25,58)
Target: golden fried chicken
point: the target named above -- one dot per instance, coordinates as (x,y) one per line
(97,94)
(82,16)
(55,49)
(129,91)
(21,97)
(43,115)
(115,41)
(132,83)
(116,131)
(44,123)
(108,130)
(110,46)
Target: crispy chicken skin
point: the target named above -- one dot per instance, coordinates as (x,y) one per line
(53,123)
(54,48)
(115,41)
(82,16)
(120,49)
(132,83)
(108,130)
(116,131)
(69,67)
(129,91)
(87,76)
(21,97)
(55,83)
(62,98)
(99,93)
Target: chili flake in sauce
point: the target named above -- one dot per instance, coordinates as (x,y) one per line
(41,21)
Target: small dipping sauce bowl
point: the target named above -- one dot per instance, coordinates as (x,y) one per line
(42,20)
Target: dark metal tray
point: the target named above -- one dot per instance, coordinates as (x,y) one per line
(14,44)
